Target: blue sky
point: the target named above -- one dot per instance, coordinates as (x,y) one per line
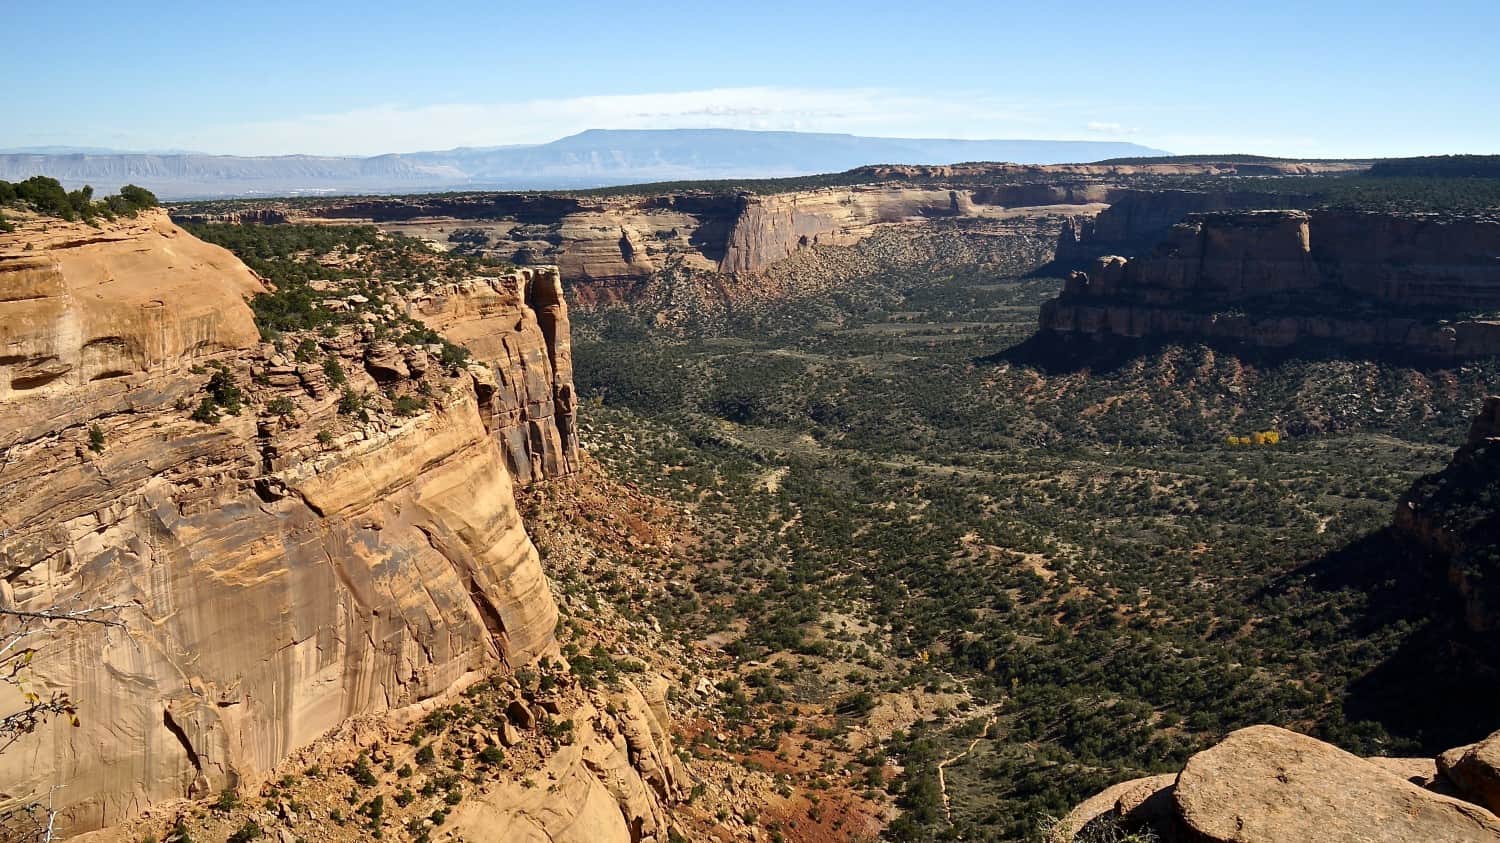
(1308,78)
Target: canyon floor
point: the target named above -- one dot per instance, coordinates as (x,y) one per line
(997,586)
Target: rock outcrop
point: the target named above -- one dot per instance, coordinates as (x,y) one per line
(1264,784)
(1406,283)
(1138,219)
(770,228)
(80,306)
(608,785)
(1452,514)
(275,572)
(1475,770)
(517,327)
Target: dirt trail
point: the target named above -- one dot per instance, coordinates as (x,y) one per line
(942,780)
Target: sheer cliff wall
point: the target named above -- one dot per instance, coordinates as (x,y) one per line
(1417,283)
(264,581)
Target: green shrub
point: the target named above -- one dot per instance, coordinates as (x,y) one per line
(361,772)
(251,830)
(350,402)
(408,405)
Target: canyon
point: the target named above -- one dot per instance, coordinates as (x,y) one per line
(606,235)
(289,501)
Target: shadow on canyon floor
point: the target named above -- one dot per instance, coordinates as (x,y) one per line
(1438,688)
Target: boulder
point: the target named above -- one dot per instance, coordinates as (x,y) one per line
(1265,783)
(1475,771)
(385,363)
(520,714)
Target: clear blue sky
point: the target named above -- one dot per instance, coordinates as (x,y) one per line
(1309,78)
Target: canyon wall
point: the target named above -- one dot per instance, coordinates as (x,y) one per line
(607,246)
(517,328)
(1452,514)
(1409,283)
(271,574)
(769,229)
(1137,219)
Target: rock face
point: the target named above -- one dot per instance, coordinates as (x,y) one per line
(607,786)
(517,327)
(604,246)
(85,305)
(1136,220)
(1264,784)
(267,586)
(1402,283)
(1452,515)
(768,229)
(1475,770)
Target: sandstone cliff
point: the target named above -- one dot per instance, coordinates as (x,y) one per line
(1453,514)
(282,560)
(769,229)
(517,327)
(1410,283)
(605,246)
(1138,219)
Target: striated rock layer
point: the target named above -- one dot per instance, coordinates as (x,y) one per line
(606,246)
(80,305)
(1398,282)
(768,229)
(517,328)
(265,586)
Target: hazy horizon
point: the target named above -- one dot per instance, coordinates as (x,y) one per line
(349,80)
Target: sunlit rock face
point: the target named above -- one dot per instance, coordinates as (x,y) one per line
(265,586)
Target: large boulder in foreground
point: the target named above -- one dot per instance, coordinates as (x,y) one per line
(1475,771)
(1267,784)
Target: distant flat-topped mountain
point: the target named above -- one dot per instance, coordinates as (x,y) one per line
(594,158)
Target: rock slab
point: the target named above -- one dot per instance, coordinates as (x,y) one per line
(1265,784)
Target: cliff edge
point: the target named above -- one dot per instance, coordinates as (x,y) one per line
(277,537)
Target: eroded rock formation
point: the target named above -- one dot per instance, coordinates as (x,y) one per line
(517,327)
(1396,282)
(605,246)
(295,563)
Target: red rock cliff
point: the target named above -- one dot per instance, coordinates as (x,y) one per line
(272,573)
(1400,282)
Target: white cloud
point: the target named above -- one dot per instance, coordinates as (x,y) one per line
(1111,128)
(397,128)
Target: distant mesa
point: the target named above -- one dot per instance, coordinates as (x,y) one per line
(1423,284)
(594,158)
